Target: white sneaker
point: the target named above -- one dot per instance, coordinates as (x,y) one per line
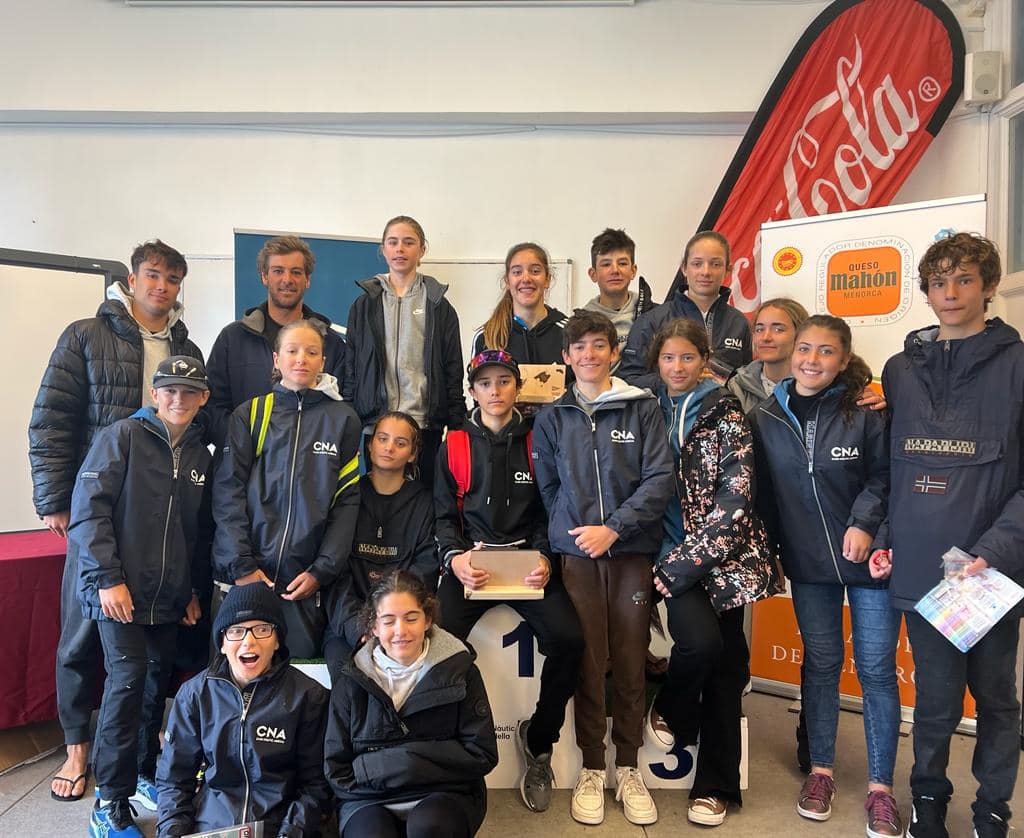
(588,797)
(637,803)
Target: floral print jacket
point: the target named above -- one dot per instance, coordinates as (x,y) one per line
(726,547)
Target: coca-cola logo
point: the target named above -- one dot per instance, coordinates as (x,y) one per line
(852,111)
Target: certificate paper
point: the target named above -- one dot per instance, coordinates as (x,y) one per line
(964,609)
(253,829)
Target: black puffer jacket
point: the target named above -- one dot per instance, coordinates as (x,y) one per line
(140,515)
(363,385)
(442,739)
(292,508)
(93,378)
(263,762)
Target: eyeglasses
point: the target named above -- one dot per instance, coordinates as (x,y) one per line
(260,632)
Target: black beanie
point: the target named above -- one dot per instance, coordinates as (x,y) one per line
(256,601)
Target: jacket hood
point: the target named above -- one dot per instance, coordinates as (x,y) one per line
(326,384)
(147,415)
(748,379)
(443,645)
(118,292)
(620,392)
(373,286)
(724,293)
(980,347)
(255,318)
(514,428)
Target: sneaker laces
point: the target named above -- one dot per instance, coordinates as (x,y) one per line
(632,783)
(710,803)
(881,806)
(121,813)
(818,786)
(589,781)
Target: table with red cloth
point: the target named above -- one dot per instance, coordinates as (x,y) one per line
(31,568)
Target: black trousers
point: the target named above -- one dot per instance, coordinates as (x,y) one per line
(703,692)
(139,660)
(79,657)
(559,638)
(435,816)
(941,673)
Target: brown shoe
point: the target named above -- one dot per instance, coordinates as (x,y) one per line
(816,796)
(707,811)
(659,733)
(883,815)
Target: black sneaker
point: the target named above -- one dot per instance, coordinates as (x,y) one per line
(928,819)
(538,779)
(990,826)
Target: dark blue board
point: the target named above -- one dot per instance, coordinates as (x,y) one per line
(340,263)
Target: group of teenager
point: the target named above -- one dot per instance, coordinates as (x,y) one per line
(350,494)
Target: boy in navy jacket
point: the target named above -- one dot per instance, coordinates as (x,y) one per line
(605,474)
(958,479)
(140,526)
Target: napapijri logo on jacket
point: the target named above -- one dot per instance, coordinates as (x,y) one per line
(273,735)
(622,436)
(733,343)
(523,478)
(943,447)
(198,478)
(323,446)
(845,452)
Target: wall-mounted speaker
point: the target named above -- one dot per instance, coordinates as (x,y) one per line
(983,78)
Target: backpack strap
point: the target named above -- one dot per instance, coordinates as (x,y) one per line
(259,418)
(459,464)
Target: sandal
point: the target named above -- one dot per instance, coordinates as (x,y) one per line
(71,798)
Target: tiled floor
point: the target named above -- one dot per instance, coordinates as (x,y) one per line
(26,809)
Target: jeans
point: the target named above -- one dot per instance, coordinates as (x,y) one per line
(942,673)
(819,614)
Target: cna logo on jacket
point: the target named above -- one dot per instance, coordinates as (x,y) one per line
(868,281)
(198,478)
(844,452)
(523,478)
(273,735)
(622,436)
(323,446)
(733,343)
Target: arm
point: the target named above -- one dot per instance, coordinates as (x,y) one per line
(424,563)
(309,783)
(448,523)
(453,368)
(545,463)
(634,356)
(646,505)
(341,518)
(202,576)
(233,556)
(869,507)
(221,401)
(180,760)
(470,756)
(57,425)
(1002,544)
(347,379)
(339,351)
(338,750)
(97,490)
(714,539)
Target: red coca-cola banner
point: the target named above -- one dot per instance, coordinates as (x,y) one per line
(859,99)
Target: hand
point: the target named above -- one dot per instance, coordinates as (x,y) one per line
(57,522)
(462,566)
(594,540)
(659,586)
(880,564)
(193,612)
(255,576)
(539,576)
(977,566)
(116,603)
(856,545)
(302,586)
(871,398)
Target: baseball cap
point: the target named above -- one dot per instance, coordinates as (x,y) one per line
(493,358)
(181,369)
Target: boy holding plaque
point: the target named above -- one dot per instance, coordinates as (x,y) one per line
(485,497)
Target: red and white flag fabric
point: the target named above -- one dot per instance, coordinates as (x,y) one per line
(860,98)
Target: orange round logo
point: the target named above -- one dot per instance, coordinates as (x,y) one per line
(787,261)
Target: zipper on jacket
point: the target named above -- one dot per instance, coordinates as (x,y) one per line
(398,347)
(241,735)
(809,453)
(291,490)
(597,471)
(175,463)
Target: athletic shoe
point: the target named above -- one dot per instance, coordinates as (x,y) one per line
(145,793)
(588,797)
(707,811)
(928,819)
(658,732)
(538,779)
(815,801)
(990,826)
(637,803)
(883,815)
(114,821)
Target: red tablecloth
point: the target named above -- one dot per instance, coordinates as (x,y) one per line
(31,567)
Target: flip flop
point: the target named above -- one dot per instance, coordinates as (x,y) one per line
(71,798)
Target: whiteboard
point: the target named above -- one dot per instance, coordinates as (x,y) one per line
(31,334)
(475,286)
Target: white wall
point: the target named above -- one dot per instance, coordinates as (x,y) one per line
(96,191)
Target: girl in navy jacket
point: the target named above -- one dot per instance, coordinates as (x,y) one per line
(824,471)
(286,495)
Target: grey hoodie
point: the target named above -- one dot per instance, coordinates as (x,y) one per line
(405,335)
(746,384)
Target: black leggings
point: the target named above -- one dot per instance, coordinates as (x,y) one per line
(435,816)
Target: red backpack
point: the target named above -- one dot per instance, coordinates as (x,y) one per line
(460,463)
